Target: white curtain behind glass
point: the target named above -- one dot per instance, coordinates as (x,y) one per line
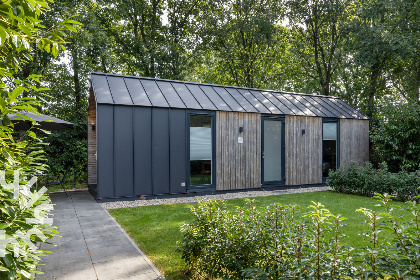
(329,131)
(200,143)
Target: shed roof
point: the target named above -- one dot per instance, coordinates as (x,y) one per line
(152,92)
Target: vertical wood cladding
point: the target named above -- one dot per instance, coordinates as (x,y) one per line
(92,169)
(303,151)
(354,140)
(238,165)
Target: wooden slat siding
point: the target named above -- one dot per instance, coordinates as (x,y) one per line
(238,166)
(354,140)
(303,156)
(92,166)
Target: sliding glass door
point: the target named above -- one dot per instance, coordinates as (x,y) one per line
(273,168)
(201,150)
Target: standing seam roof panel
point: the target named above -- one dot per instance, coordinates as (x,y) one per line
(215,98)
(265,101)
(224,94)
(339,108)
(101,89)
(153,92)
(316,101)
(170,94)
(242,100)
(355,111)
(323,101)
(290,107)
(280,106)
(251,98)
(136,91)
(297,102)
(186,96)
(317,111)
(119,91)
(201,97)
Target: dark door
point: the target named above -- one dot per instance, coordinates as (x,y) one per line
(273,168)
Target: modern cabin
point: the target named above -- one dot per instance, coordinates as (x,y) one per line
(151,136)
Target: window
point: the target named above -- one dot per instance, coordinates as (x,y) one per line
(329,146)
(201,149)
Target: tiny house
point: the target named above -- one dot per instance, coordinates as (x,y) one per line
(151,136)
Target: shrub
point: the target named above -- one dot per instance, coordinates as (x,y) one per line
(355,179)
(281,242)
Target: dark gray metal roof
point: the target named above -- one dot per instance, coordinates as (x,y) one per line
(140,91)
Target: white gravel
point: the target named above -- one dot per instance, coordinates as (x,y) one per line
(213,196)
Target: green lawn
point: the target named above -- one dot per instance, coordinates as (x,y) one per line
(155,229)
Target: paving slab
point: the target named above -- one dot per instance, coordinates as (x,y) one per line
(92,245)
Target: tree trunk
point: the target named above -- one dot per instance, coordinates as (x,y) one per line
(76,80)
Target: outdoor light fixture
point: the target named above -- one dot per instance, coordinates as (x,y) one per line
(303,131)
(93,127)
(241,129)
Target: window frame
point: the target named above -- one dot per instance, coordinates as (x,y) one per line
(330,120)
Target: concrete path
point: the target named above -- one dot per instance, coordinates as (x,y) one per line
(92,246)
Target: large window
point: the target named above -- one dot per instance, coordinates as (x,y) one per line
(329,146)
(201,150)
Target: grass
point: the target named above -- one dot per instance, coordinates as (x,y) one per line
(155,229)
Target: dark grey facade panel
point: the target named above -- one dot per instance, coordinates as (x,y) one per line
(101,89)
(329,107)
(201,97)
(119,91)
(137,93)
(105,150)
(123,150)
(186,96)
(242,100)
(160,150)
(253,100)
(177,148)
(142,133)
(153,92)
(233,104)
(215,98)
(170,94)
(265,101)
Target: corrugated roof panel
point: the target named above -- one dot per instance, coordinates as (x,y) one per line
(316,101)
(242,100)
(302,99)
(119,91)
(254,101)
(215,98)
(329,106)
(101,89)
(351,109)
(170,94)
(153,92)
(137,93)
(305,111)
(289,104)
(265,101)
(229,99)
(186,96)
(202,99)
(338,107)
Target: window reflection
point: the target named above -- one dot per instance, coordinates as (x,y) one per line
(329,147)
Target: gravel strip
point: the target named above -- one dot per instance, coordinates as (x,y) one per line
(213,196)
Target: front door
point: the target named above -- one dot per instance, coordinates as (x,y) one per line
(273,169)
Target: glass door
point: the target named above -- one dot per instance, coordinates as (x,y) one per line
(273,168)
(330,155)
(201,150)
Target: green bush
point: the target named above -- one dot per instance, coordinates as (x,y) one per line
(281,242)
(396,137)
(368,181)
